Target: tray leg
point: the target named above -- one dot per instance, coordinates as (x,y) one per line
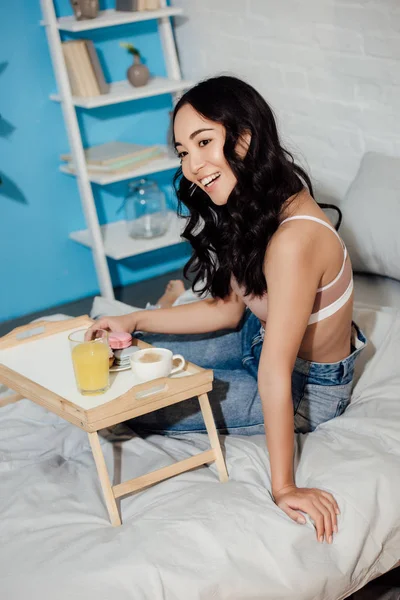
(104,479)
(213,435)
(10,398)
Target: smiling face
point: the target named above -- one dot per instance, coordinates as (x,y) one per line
(200,146)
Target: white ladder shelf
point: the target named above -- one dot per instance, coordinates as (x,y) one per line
(95,236)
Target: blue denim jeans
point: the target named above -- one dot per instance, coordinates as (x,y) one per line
(320,391)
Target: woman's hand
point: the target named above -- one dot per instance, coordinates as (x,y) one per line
(319,505)
(125,323)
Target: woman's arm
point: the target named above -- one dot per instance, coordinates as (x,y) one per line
(276,396)
(293,270)
(198,317)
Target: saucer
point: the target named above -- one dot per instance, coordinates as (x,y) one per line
(115,369)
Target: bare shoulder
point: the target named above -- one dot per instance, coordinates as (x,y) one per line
(293,249)
(291,242)
(298,241)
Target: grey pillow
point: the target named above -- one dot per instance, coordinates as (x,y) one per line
(371,216)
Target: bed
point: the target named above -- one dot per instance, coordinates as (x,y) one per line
(191,537)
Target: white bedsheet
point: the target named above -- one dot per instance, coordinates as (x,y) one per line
(191,537)
(376,290)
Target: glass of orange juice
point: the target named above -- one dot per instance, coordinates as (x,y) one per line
(90,361)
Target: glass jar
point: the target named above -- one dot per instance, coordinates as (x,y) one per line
(145,210)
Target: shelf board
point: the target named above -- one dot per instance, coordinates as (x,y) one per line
(123,91)
(118,244)
(170,161)
(111,18)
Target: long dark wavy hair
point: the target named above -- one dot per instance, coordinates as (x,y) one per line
(231,239)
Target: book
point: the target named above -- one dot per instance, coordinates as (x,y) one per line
(84,70)
(110,152)
(76,73)
(69,63)
(80,72)
(155,153)
(91,85)
(126,5)
(152,4)
(132,166)
(103,86)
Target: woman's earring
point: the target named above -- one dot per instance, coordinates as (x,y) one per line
(193,189)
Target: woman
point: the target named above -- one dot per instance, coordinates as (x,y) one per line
(256,231)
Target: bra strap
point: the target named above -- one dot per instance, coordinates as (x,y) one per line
(316,219)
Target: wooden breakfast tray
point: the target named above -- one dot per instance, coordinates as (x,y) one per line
(35,362)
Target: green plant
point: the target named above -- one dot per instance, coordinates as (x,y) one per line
(131,49)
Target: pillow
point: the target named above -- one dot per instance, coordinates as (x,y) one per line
(103,307)
(371,216)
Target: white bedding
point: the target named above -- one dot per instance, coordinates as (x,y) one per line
(192,537)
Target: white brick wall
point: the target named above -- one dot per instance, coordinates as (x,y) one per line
(330,69)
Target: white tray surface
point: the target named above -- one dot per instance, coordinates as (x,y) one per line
(47,361)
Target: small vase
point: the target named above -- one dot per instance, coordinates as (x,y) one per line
(137,74)
(85,9)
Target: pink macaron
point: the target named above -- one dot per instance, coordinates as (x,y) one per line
(119,339)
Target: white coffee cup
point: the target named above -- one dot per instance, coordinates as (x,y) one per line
(147,369)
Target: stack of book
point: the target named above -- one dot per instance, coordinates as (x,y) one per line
(117,157)
(84,70)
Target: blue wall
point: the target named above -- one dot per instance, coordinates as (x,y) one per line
(39,206)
